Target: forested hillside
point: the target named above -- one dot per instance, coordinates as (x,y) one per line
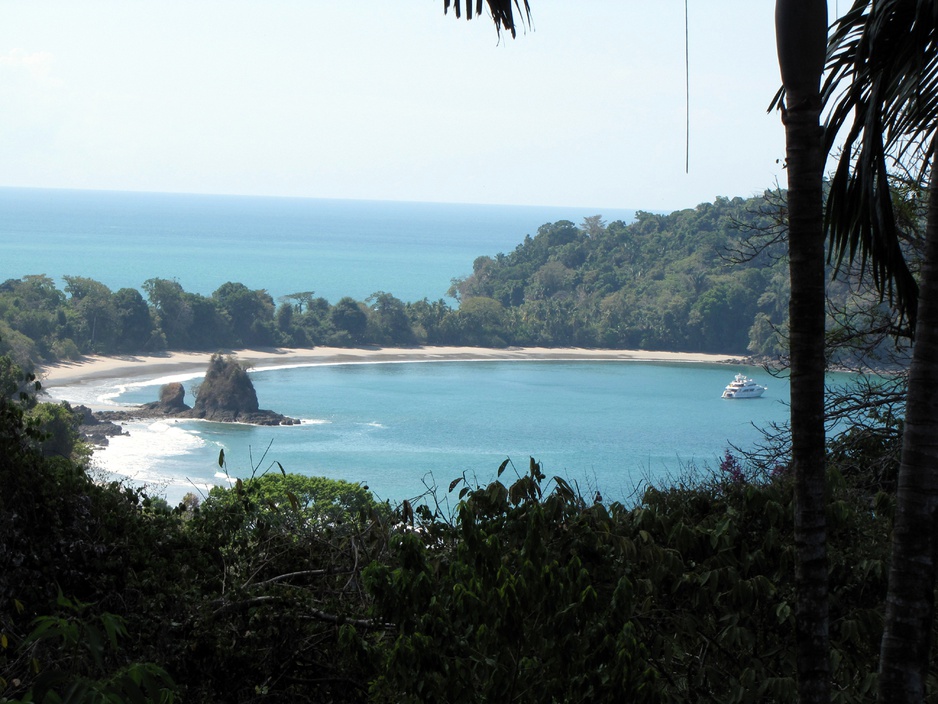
(664,282)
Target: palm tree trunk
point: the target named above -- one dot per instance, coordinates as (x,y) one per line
(911,595)
(806,315)
(801,33)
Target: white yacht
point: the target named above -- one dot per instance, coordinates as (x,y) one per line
(743,387)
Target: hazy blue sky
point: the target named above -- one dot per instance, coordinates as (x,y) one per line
(390,100)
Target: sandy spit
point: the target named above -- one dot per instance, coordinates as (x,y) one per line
(108,367)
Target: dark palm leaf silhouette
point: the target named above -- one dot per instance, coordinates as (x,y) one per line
(502,11)
(881,94)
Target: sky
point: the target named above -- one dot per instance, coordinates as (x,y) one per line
(384,100)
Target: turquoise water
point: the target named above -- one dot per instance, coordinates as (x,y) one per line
(399,427)
(284,245)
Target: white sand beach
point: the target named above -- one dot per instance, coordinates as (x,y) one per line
(64,374)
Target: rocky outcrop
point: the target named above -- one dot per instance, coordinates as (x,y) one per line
(172,397)
(226,395)
(95,430)
(171,403)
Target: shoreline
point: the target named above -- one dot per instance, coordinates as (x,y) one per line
(65,374)
(149,451)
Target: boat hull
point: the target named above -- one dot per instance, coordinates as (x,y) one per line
(744,394)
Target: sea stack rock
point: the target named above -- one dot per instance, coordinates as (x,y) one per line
(170,403)
(228,395)
(172,397)
(227,390)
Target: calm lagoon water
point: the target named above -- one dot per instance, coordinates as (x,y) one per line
(400,427)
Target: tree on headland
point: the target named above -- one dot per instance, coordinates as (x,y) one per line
(299,300)
(348,317)
(482,322)
(173,313)
(593,225)
(389,320)
(93,318)
(134,320)
(34,316)
(250,313)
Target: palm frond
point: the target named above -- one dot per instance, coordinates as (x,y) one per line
(882,88)
(502,12)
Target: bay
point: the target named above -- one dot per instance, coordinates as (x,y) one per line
(400,428)
(606,426)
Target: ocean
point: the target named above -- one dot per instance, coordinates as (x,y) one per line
(398,428)
(335,248)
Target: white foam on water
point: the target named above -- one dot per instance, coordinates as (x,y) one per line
(95,395)
(102,394)
(144,456)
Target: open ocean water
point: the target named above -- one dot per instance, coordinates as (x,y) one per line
(397,427)
(284,245)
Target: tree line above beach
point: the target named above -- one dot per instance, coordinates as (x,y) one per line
(705,279)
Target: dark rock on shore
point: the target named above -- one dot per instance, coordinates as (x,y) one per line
(171,403)
(94,429)
(172,397)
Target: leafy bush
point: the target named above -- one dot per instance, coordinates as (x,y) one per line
(73,657)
